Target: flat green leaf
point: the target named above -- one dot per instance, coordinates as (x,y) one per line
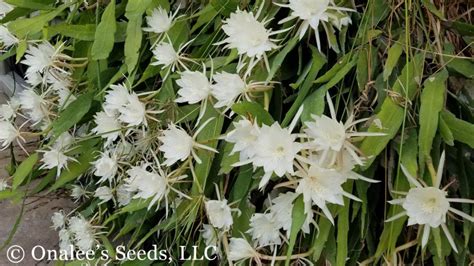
(21,49)
(343,228)
(23,170)
(104,35)
(462,131)
(393,55)
(432,102)
(27,26)
(32,4)
(277,61)
(446,133)
(391,114)
(225,7)
(298,218)
(83,32)
(134,12)
(72,114)
(254,110)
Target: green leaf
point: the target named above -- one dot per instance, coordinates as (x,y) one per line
(393,55)
(314,104)
(32,4)
(253,110)
(75,169)
(362,69)
(225,7)
(278,59)
(83,32)
(208,135)
(462,131)
(343,227)
(298,218)
(391,114)
(27,26)
(21,49)
(446,133)
(432,102)
(134,12)
(23,170)
(72,114)
(104,35)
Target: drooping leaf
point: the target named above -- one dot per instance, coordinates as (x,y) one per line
(72,114)
(104,35)
(23,170)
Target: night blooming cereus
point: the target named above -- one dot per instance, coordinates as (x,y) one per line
(428,205)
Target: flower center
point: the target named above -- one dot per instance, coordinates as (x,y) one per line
(429,205)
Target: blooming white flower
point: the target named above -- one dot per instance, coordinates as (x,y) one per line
(320,185)
(281,208)
(63,141)
(105,167)
(3,184)
(107,126)
(5,8)
(9,110)
(177,144)
(33,104)
(103,193)
(78,192)
(248,35)
(55,158)
(194,87)
(244,136)
(275,151)
(219,214)
(332,137)
(6,38)
(83,231)
(264,229)
(165,55)
(8,133)
(115,99)
(154,184)
(159,21)
(428,205)
(240,249)
(312,13)
(65,241)
(43,57)
(59,220)
(133,112)
(227,89)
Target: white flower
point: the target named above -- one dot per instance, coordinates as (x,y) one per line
(165,55)
(78,192)
(240,249)
(3,184)
(9,110)
(332,137)
(5,8)
(133,112)
(282,207)
(311,13)
(194,87)
(63,141)
(105,167)
(124,196)
(244,136)
(177,145)
(428,205)
(8,134)
(59,220)
(42,57)
(6,38)
(55,158)
(319,186)
(115,99)
(227,89)
(107,126)
(248,35)
(33,104)
(275,151)
(83,231)
(264,229)
(219,214)
(65,244)
(209,235)
(103,193)
(159,21)
(147,184)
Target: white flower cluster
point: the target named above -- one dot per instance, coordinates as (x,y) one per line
(74,232)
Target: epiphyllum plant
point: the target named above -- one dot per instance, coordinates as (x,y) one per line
(428,205)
